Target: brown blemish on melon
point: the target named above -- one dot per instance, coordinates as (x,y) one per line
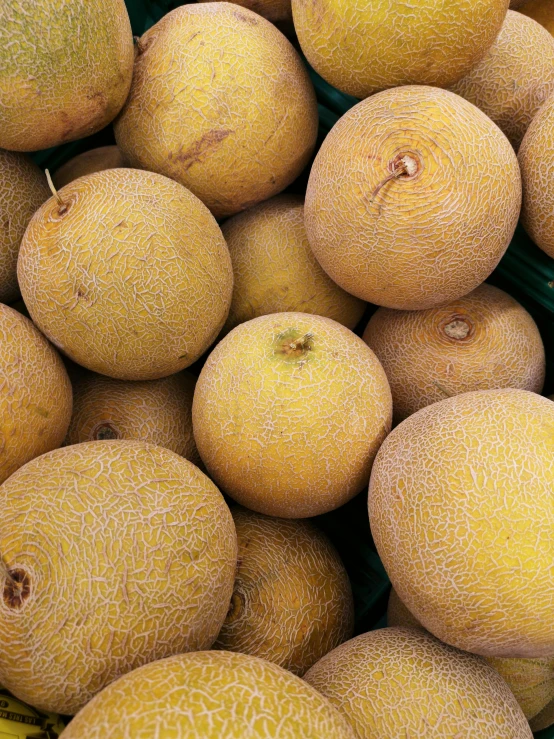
(194,154)
(459,328)
(17,588)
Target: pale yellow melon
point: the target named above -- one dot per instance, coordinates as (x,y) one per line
(413,198)
(542,11)
(114,554)
(129,275)
(404,683)
(292,601)
(534,156)
(210,695)
(220,102)
(65,69)
(276,11)
(483,341)
(461,511)
(275,270)
(289,412)
(515,77)
(35,393)
(368,47)
(93,160)
(157,411)
(23,190)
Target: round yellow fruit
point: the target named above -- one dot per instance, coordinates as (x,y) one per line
(403,683)
(543,12)
(366,48)
(210,695)
(128,274)
(23,190)
(399,615)
(289,412)
(35,393)
(157,411)
(413,198)
(275,270)
(515,77)
(461,511)
(113,554)
(484,341)
(222,103)
(534,156)
(292,601)
(278,12)
(65,70)
(93,160)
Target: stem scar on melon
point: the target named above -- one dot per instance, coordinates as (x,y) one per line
(64,207)
(458,327)
(403,166)
(17,587)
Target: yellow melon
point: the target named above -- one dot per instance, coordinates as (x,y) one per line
(278,12)
(461,510)
(366,48)
(292,601)
(65,70)
(542,11)
(220,102)
(404,683)
(483,341)
(35,393)
(23,190)
(210,695)
(399,615)
(113,554)
(275,270)
(289,412)
(515,77)
(413,198)
(93,160)
(536,152)
(128,274)
(157,411)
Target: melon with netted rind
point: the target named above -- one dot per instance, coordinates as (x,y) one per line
(462,514)
(210,695)
(127,273)
(398,682)
(113,554)
(413,198)
(92,160)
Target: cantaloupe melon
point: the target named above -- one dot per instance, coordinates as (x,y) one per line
(292,601)
(275,270)
(289,412)
(515,77)
(222,103)
(93,160)
(65,69)
(362,49)
(210,695)
(535,156)
(157,411)
(413,198)
(23,190)
(127,273)
(403,683)
(462,514)
(542,11)
(35,393)
(485,340)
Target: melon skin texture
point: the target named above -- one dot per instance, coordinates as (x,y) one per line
(535,156)
(130,278)
(399,682)
(515,78)
(365,49)
(288,414)
(484,341)
(292,601)
(35,393)
(72,83)
(431,235)
(222,103)
(462,513)
(209,695)
(156,411)
(542,11)
(23,190)
(278,12)
(93,160)
(275,270)
(115,554)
